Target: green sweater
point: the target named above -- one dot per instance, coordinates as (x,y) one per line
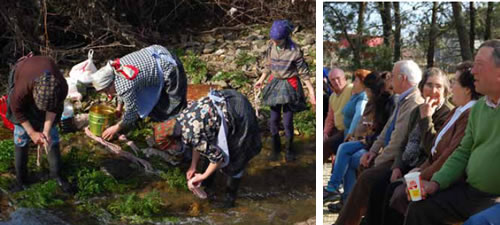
(478,155)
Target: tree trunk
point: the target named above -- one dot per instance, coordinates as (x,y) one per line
(397,32)
(472,32)
(487,32)
(463,38)
(432,36)
(359,34)
(385,14)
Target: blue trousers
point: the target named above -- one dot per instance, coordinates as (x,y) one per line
(346,164)
(21,137)
(489,216)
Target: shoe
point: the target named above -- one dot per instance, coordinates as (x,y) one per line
(276,148)
(330,196)
(290,152)
(16,187)
(231,194)
(64,185)
(335,207)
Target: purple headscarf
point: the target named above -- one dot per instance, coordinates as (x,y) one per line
(280,30)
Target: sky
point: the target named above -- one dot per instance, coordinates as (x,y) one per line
(374,18)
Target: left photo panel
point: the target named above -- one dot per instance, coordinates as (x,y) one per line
(158,112)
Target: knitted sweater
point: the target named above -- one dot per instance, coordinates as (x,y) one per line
(478,154)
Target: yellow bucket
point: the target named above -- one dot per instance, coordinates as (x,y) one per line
(100,118)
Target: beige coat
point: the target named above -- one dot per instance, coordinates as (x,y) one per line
(400,132)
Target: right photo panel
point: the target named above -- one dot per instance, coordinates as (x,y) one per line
(411,117)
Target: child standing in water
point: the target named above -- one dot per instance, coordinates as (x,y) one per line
(285,62)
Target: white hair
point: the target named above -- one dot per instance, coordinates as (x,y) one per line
(410,70)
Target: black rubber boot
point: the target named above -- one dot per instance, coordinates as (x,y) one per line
(275,148)
(290,152)
(55,167)
(232,187)
(21,164)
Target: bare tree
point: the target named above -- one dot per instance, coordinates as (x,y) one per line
(472,31)
(487,33)
(384,9)
(343,25)
(463,38)
(359,33)
(432,36)
(397,32)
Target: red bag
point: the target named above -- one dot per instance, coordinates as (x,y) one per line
(3,113)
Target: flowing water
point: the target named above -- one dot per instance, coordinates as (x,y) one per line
(270,192)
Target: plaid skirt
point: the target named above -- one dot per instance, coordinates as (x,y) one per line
(243,137)
(281,92)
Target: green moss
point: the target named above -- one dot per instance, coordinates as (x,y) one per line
(6,155)
(245,59)
(305,122)
(136,209)
(92,182)
(195,68)
(6,182)
(76,159)
(175,178)
(41,195)
(236,79)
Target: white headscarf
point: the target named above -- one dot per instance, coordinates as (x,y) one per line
(102,78)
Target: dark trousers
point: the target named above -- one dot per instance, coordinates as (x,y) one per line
(331,144)
(453,205)
(276,117)
(21,162)
(358,200)
(377,199)
(395,204)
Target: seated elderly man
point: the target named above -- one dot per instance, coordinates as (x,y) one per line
(406,76)
(449,198)
(333,133)
(150,82)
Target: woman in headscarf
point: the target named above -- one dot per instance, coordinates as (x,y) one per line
(222,128)
(37,90)
(150,82)
(285,62)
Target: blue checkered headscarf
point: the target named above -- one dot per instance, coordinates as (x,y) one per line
(280,30)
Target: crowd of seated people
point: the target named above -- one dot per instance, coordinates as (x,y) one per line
(386,125)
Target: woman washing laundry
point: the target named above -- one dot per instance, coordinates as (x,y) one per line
(150,82)
(223,129)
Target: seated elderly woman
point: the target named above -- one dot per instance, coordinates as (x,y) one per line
(150,82)
(445,142)
(222,128)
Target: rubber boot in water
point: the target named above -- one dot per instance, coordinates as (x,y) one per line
(290,152)
(275,148)
(21,164)
(232,187)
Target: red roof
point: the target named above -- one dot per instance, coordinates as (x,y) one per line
(369,41)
